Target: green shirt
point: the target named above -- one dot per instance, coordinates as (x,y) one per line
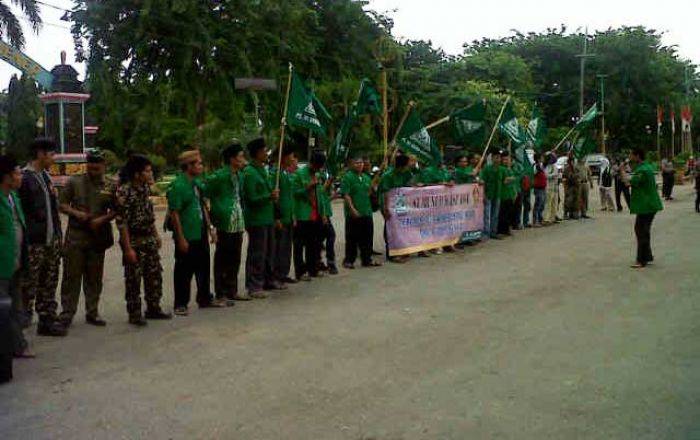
(223,189)
(8,235)
(645,196)
(357,187)
(184,198)
(258,207)
(285,206)
(464,175)
(492,176)
(325,197)
(508,190)
(302,197)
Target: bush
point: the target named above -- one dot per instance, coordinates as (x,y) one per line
(160,163)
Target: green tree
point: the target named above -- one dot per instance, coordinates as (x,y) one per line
(23,111)
(10,28)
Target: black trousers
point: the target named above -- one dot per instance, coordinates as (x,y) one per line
(328,242)
(697,201)
(505,216)
(358,234)
(195,262)
(621,188)
(307,242)
(227,263)
(667,184)
(517,212)
(527,206)
(642,229)
(283,252)
(260,259)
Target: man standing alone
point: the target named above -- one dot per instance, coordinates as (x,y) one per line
(38,197)
(668,175)
(356,187)
(88,203)
(223,189)
(645,203)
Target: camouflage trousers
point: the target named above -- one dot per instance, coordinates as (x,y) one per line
(83,266)
(148,269)
(41,279)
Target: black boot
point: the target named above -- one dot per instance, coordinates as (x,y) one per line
(51,327)
(158,315)
(137,321)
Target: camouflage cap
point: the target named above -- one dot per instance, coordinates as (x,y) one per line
(95,155)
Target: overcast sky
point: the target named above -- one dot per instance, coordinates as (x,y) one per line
(450,23)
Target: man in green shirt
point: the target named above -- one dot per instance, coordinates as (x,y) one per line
(12,259)
(359,229)
(191,230)
(223,189)
(492,176)
(399,176)
(259,198)
(327,243)
(88,202)
(508,194)
(284,219)
(308,213)
(645,203)
(464,171)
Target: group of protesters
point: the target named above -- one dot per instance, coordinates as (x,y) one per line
(286,214)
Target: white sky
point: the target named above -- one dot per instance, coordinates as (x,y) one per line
(450,23)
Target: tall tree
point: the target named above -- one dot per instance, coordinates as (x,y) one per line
(23,111)
(10,28)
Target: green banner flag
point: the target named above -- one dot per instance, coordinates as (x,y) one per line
(468,124)
(522,164)
(583,145)
(340,149)
(536,130)
(415,139)
(510,126)
(588,118)
(369,102)
(305,110)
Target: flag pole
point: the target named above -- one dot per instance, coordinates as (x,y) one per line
(385,113)
(410,106)
(438,122)
(493,133)
(282,128)
(561,142)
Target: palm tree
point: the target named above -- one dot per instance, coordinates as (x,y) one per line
(10,28)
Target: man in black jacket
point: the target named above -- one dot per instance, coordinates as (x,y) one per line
(40,204)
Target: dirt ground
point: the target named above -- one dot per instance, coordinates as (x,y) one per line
(546,335)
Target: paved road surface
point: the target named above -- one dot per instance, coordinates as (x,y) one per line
(548,335)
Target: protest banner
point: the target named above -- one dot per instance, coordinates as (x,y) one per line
(431,217)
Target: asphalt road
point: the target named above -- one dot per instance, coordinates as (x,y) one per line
(546,335)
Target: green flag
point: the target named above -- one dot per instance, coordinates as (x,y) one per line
(415,139)
(510,126)
(536,130)
(521,162)
(588,118)
(583,146)
(340,148)
(468,124)
(369,102)
(305,110)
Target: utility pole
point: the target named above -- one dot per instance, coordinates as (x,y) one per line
(602,77)
(584,56)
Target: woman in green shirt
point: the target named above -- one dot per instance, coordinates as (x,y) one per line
(645,203)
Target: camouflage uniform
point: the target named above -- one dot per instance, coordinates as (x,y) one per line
(584,178)
(41,278)
(135,212)
(84,249)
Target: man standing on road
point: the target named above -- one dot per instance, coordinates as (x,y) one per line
(509,191)
(307,189)
(189,220)
(397,177)
(12,259)
(223,189)
(585,179)
(139,241)
(667,175)
(540,186)
(620,172)
(87,201)
(551,209)
(606,184)
(492,175)
(359,228)
(259,198)
(284,219)
(327,243)
(645,203)
(38,197)
(572,192)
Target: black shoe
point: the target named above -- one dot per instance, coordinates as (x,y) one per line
(332,270)
(348,266)
(51,328)
(138,321)
(288,280)
(96,321)
(157,315)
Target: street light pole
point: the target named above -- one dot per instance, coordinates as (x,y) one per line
(602,112)
(584,56)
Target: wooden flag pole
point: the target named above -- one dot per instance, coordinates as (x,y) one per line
(493,133)
(385,113)
(438,122)
(410,106)
(282,128)
(561,142)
